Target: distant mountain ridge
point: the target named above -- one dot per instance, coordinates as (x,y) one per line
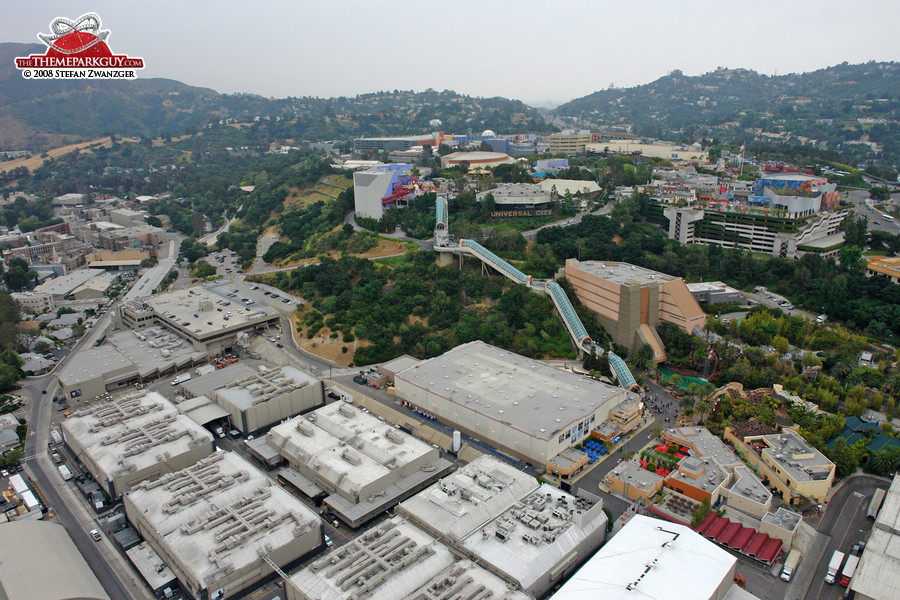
(733,104)
(845,107)
(37,114)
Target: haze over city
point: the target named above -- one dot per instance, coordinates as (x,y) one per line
(541,53)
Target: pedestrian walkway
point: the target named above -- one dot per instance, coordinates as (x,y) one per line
(647,422)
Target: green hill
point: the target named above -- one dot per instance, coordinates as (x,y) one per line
(821,108)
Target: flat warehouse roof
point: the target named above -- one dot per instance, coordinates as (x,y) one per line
(220,515)
(398,557)
(620,273)
(133,432)
(467,499)
(876,575)
(530,395)
(155,350)
(38,561)
(684,565)
(105,361)
(205,312)
(261,386)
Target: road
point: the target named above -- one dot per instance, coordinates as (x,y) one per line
(210,238)
(114,574)
(590,482)
(843,524)
(153,276)
(864,206)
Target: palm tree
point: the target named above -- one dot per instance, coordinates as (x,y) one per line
(645,357)
(703,408)
(841,369)
(693,389)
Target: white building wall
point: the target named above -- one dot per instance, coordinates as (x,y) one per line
(369,187)
(494,432)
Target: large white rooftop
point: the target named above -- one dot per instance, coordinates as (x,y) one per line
(64,284)
(133,432)
(202,312)
(220,515)
(476,493)
(104,361)
(347,447)
(878,573)
(623,273)
(38,561)
(263,386)
(399,561)
(537,534)
(530,395)
(652,559)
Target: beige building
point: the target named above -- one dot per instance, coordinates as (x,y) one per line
(626,415)
(781,524)
(137,437)
(34,302)
(788,463)
(520,406)
(631,301)
(889,266)
(477,161)
(364,465)
(748,494)
(569,142)
(117,261)
(213,523)
(569,186)
(632,481)
(693,153)
(269,396)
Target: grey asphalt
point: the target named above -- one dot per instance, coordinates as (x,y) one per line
(843,524)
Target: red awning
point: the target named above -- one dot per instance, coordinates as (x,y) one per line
(770,551)
(729,534)
(707,522)
(755,545)
(717,528)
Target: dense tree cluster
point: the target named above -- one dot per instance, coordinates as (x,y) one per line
(421,309)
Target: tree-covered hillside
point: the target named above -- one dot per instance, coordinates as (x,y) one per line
(741,105)
(34,114)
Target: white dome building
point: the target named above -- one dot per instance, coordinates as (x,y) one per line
(488,134)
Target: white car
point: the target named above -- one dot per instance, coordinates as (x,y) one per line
(270,338)
(95,534)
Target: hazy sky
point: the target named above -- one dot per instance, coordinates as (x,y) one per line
(539,52)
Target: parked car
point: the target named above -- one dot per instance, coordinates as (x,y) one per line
(95,534)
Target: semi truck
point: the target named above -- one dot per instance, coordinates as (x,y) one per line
(834,565)
(790,565)
(875,504)
(181,378)
(849,570)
